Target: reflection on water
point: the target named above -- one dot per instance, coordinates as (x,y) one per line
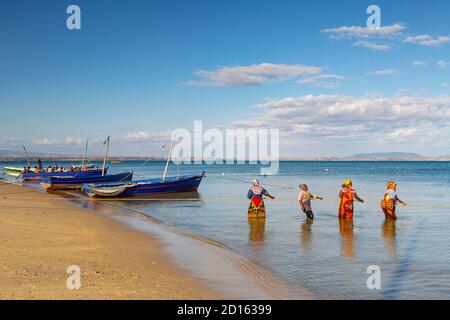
(389,230)
(305,235)
(166,200)
(347,236)
(90,204)
(184,199)
(256,230)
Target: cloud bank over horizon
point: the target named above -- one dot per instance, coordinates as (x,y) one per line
(385,123)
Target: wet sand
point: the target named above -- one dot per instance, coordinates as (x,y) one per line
(41,235)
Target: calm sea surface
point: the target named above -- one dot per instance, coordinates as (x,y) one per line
(328,257)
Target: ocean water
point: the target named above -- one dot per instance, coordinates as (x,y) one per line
(326,256)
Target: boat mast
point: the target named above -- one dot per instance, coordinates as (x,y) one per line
(85,153)
(168,158)
(26,155)
(106,156)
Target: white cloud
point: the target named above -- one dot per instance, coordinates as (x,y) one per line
(384,72)
(139,136)
(445,85)
(364,37)
(443,64)
(9,141)
(367,118)
(53,141)
(352,32)
(324,80)
(403,133)
(373,46)
(411,92)
(368,37)
(420,63)
(427,40)
(73,140)
(256,74)
(48,141)
(148,136)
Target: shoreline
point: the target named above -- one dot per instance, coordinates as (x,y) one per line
(209,270)
(42,237)
(221,267)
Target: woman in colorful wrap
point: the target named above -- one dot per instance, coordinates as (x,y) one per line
(389,201)
(255,194)
(347,196)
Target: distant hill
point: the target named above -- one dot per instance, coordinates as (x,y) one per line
(21,154)
(387,155)
(7,153)
(14,155)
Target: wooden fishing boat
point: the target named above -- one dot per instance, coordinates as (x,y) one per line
(89,172)
(76,182)
(37,176)
(13,171)
(145,187)
(17,171)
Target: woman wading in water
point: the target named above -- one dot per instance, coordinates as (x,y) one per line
(304,199)
(389,201)
(255,194)
(347,196)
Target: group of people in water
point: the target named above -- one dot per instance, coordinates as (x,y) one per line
(347,197)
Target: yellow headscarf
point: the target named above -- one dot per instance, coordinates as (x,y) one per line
(392,185)
(347,183)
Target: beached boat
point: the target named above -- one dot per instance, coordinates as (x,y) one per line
(37,176)
(145,187)
(86,171)
(13,171)
(76,182)
(17,171)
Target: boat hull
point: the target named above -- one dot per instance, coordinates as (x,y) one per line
(13,171)
(66,183)
(145,187)
(36,176)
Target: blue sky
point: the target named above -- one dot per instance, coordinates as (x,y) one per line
(138,69)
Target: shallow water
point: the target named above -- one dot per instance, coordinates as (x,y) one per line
(328,257)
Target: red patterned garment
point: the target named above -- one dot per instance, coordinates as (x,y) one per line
(346,204)
(389,201)
(256,208)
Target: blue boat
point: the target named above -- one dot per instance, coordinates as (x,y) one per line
(145,187)
(76,182)
(36,176)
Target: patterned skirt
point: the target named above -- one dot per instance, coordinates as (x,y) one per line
(257,208)
(346,209)
(388,207)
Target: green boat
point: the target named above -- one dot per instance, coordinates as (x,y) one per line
(13,171)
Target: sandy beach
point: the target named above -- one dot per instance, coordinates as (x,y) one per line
(41,235)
